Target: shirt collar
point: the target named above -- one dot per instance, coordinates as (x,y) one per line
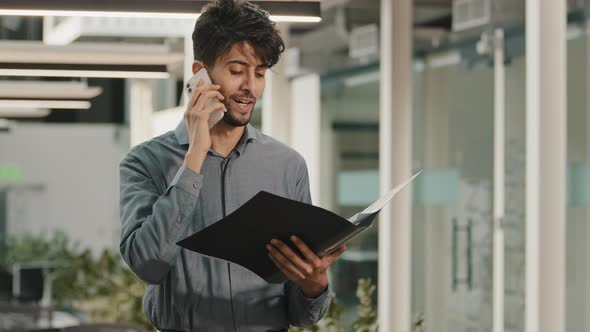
(250,134)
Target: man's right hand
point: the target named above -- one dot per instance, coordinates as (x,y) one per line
(197,122)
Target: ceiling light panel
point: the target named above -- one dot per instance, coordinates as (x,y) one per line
(36,104)
(47,90)
(23,113)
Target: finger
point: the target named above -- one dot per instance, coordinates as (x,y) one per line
(203,116)
(340,250)
(283,263)
(307,252)
(200,90)
(290,275)
(292,256)
(213,107)
(333,256)
(288,272)
(204,98)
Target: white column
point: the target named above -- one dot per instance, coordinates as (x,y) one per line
(189,58)
(437,230)
(545,166)
(305,127)
(395,149)
(586,211)
(499,183)
(329,154)
(276,103)
(141,108)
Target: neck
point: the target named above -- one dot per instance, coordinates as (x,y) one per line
(225,138)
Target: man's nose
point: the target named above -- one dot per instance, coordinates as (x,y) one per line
(248,84)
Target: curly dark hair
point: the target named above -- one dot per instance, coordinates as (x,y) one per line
(224,23)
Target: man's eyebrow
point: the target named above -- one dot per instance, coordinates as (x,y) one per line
(243,63)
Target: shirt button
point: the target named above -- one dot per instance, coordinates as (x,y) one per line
(179,220)
(195,186)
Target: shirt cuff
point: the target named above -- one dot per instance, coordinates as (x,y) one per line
(188,180)
(317,301)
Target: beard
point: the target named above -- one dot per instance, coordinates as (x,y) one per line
(230,119)
(233,121)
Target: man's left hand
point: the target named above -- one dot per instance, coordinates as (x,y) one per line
(310,272)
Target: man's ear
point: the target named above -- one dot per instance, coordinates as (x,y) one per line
(197,65)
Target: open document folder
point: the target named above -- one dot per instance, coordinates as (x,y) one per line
(242,236)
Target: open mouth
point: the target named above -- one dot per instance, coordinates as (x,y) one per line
(243,103)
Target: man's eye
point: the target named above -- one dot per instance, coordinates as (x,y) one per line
(235,72)
(259,75)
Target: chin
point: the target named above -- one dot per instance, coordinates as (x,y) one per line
(236,121)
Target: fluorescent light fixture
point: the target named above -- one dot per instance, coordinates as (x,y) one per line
(182,16)
(82,73)
(49,90)
(24,113)
(104,56)
(296,19)
(362,79)
(14,104)
(79,13)
(444,59)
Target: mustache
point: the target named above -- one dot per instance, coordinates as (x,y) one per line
(244,96)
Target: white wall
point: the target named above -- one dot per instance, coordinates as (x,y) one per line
(78,167)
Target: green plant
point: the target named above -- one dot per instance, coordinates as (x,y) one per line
(330,322)
(367,314)
(367,311)
(101,287)
(57,251)
(113,292)
(366,322)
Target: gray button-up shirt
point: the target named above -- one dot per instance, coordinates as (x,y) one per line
(163,202)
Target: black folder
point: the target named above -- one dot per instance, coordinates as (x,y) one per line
(242,236)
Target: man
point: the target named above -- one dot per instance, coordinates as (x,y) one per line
(183,181)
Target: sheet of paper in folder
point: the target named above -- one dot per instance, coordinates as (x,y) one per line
(266,216)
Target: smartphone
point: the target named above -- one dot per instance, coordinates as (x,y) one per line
(190,87)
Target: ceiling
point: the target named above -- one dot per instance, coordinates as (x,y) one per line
(324,46)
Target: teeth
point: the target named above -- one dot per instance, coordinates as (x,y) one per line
(242,101)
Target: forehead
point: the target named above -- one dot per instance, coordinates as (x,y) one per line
(242,52)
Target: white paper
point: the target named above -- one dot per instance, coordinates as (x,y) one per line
(381,202)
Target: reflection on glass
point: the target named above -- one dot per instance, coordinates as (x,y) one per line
(578,181)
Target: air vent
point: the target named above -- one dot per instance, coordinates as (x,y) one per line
(364,43)
(469,14)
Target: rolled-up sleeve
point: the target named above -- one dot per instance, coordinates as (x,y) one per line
(153,222)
